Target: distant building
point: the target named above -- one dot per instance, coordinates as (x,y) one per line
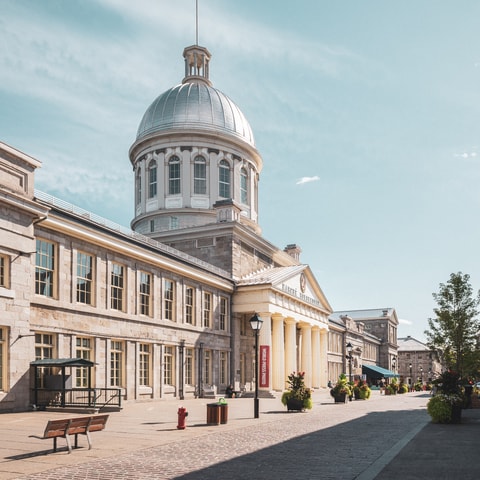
(372,335)
(417,361)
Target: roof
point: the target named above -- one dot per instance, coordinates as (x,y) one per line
(62,362)
(364,314)
(410,344)
(271,275)
(375,371)
(195,107)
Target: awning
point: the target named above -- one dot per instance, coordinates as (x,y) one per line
(374,371)
(62,362)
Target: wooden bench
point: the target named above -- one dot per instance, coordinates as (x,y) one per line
(73,426)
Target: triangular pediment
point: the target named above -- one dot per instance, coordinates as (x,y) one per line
(295,281)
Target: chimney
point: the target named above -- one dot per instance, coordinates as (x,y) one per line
(294,251)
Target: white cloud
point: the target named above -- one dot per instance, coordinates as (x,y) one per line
(402,321)
(303,180)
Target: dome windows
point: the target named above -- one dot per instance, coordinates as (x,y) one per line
(243,186)
(224,179)
(152,179)
(200,176)
(174,176)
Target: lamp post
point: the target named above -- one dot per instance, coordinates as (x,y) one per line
(256,324)
(421,374)
(411,379)
(349,357)
(394,363)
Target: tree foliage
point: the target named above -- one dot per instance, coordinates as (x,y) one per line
(455,329)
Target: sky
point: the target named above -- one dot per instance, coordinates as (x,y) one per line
(366,114)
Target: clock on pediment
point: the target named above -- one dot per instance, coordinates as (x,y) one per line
(303,282)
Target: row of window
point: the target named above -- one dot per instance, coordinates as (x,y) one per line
(45,284)
(45,348)
(200,184)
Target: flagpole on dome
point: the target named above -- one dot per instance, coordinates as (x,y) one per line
(196,22)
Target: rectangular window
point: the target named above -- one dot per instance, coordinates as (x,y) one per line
(4,271)
(3,358)
(152,181)
(44,348)
(223,313)
(83,350)
(45,268)
(144,364)
(169,298)
(200,176)
(189,363)
(207,367)
(173,223)
(84,278)
(116,363)
(168,366)
(174,176)
(207,309)
(144,293)
(189,305)
(223,368)
(117,287)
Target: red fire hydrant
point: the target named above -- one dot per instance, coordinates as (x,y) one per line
(182,415)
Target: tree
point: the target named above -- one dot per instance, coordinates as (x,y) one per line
(455,329)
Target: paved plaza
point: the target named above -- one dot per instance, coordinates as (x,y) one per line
(385,437)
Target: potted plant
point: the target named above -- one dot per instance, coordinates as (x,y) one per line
(341,391)
(298,397)
(361,390)
(446,404)
(402,387)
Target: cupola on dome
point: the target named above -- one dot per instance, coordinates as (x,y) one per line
(195,105)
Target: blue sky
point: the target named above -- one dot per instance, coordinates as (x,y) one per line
(366,114)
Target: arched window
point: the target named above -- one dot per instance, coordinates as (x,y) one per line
(174,176)
(199,176)
(138,186)
(152,179)
(243,186)
(224,179)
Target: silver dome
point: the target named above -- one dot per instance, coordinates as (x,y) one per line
(195,106)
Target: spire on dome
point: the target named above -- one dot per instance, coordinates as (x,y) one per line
(197,61)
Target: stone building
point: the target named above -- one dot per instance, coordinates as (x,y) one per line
(162,310)
(372,339)
(416,362)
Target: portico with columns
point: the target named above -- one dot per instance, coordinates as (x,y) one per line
(294,333)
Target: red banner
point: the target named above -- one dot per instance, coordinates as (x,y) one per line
(264,366)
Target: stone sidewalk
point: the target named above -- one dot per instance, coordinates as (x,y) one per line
(384,437)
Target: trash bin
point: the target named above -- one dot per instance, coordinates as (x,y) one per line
(223,410)
(213,414)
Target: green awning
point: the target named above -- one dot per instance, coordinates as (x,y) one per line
(374,371)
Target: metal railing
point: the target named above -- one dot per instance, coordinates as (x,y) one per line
(78,397)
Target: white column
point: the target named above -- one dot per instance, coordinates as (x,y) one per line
(316,362)
(323,357)
(306,354)
(290,347)
(278,353)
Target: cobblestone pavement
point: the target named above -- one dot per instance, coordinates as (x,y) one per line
(343,441)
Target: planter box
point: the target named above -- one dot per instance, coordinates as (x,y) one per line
(293,404)
(340,398)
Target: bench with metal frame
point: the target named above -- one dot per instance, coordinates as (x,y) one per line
(73,426)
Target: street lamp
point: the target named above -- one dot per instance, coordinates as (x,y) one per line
(394,363)
(349,356)
(421,374)
(256,324)
(411,379)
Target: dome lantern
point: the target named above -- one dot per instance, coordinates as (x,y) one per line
(197,61)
